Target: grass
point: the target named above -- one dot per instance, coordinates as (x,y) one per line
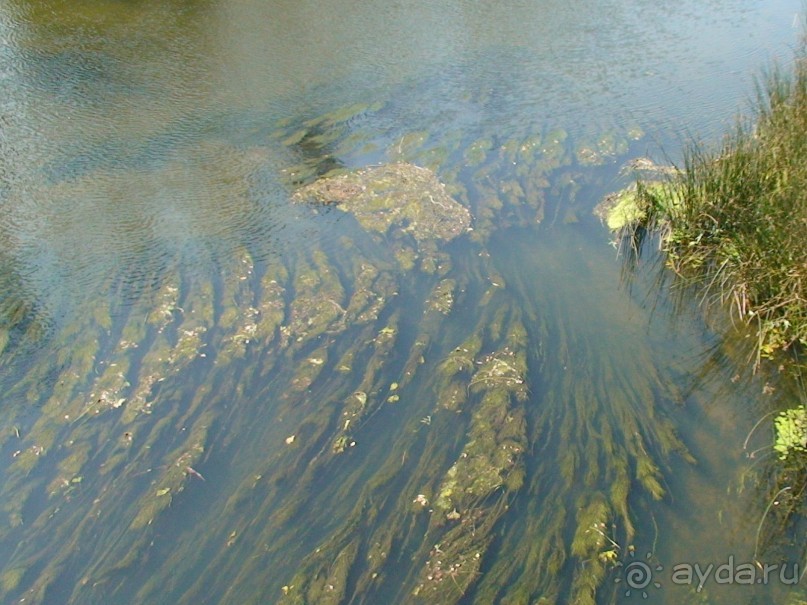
(734,219)
(733,224)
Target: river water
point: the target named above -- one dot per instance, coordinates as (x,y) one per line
(217,389)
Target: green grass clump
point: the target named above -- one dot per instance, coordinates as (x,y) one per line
(738,227)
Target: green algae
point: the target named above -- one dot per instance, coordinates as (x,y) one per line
(489,417)
(454,564)
(477,152)
(408,146)
(442,297)
(330,583)
(175,475)
(309,369)
(629,207)
(604,148)
(343,114)
(491,458)
(11,579)
(461,358)
(340,502)
(317,304)
(171,352)
(372,293)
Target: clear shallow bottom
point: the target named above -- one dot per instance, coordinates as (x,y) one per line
(714,512)
(601,367)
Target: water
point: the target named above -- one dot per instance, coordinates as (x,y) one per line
(215,394)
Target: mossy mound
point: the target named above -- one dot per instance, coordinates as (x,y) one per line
(622,209)
(655,189)
(635,204)
(401,195)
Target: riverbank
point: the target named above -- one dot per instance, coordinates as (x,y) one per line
(733,220)
(732,225)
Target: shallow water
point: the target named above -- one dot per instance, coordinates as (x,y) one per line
(216,394)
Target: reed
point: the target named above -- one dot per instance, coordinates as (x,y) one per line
(734,219)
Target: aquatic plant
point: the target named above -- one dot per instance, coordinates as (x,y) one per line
(791,432)
(400,415)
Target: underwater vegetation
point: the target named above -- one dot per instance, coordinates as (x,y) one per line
(401,415)
(730,222)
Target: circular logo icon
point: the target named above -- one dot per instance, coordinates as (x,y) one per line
(637,576)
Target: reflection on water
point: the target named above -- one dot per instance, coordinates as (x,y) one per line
(218,390)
